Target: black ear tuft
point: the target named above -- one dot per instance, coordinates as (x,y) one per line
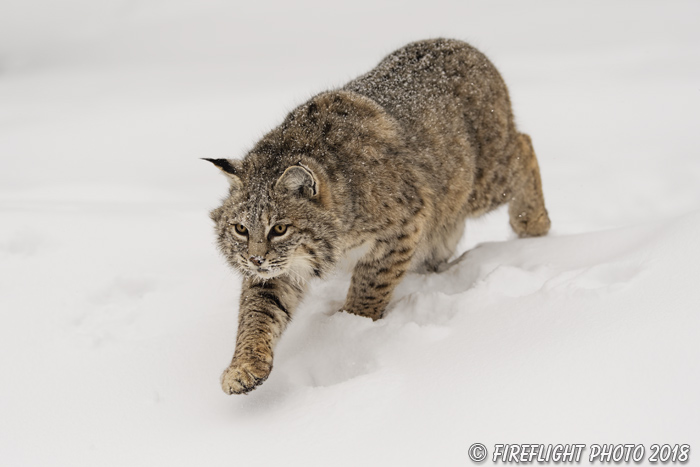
(223,164)
(231,169)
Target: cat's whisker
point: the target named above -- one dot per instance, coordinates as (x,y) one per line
(295,276)
(304,257)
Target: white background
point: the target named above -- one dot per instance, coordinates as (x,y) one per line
(118,316)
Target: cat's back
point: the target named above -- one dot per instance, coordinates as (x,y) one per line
(455,116)
(433,117)
(433,82)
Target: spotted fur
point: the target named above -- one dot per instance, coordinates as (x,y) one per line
(395,160)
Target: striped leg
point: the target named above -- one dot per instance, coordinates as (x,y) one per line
(265,310)
(376,275)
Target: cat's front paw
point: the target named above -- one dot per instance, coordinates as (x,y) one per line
(245,374)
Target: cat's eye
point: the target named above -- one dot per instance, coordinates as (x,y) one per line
(279,229)
(240,229)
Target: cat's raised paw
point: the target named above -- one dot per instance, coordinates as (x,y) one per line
(244,375)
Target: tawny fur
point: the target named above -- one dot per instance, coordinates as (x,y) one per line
(397,160)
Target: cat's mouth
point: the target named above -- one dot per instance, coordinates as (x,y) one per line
(268,273)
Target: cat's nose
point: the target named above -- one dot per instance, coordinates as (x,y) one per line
(256,260)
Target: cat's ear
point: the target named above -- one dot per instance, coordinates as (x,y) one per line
(230,168)
(298,179)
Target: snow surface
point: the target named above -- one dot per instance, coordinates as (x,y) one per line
(118,316)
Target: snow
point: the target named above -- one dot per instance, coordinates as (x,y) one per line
(118,316)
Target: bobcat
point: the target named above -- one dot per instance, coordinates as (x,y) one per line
(396,160)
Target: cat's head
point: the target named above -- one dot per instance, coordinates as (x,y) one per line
(274,224)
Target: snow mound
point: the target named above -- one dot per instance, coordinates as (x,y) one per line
(540,338)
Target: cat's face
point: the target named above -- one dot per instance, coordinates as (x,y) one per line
(266,230)
(261,239)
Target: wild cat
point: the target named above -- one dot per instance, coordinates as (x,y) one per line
(396,160)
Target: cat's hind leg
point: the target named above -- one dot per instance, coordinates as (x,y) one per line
(528,215)
(442,246)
